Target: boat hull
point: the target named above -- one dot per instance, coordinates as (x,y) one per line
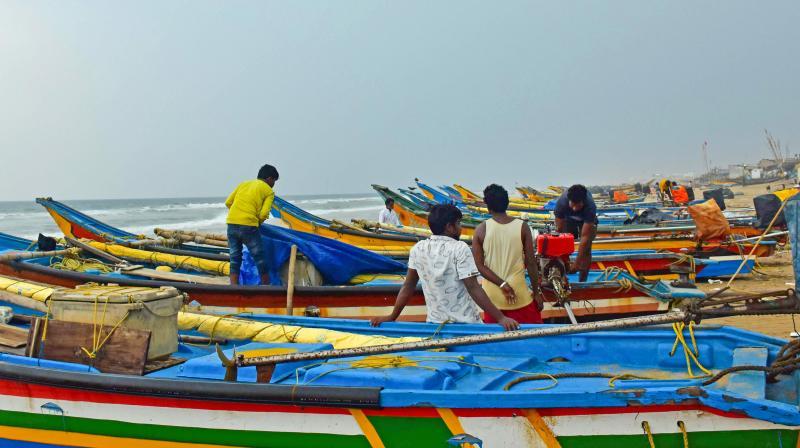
(598,300)
(140,412)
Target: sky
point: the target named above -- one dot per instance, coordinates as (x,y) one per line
(141,99)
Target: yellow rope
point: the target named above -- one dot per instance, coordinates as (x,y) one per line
(648,433)
(685,434)
(691,354)
(98,341)
(80,265)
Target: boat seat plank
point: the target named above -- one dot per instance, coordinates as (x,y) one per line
(750,384)
(13,337)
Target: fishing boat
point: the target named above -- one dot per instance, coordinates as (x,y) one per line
(604,294)
(273,381)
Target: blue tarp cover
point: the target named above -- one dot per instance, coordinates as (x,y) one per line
(337,262)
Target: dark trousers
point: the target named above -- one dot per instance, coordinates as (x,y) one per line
(249,236)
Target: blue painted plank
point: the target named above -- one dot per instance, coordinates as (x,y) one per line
(751,384)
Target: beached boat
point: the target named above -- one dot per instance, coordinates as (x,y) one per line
(603,295)
(621,388)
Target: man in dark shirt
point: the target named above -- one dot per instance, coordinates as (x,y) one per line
(576,213)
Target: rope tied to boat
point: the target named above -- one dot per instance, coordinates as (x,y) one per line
(615,274)
(684,433)
(648,433)
(786,362)
(690,354)
(98,341)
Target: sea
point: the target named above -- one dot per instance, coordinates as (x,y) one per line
(140,216)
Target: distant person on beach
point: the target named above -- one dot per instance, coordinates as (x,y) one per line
(449,276)
(503,250)
(576,213)
(248,207)
(388,215)
(665,187)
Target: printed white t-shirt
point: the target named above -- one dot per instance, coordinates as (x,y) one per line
(442,264)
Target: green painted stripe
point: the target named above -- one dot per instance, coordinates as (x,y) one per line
(708,439)
(180,434)
(410,432)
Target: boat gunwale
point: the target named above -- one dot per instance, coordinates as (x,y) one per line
(195,389)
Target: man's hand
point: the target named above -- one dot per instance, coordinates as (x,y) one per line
(508,291)
(376,321)
(536,294)
(583,261)
(509,324)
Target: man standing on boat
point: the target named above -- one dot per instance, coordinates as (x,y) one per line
(248,207)
(388,215)
(576,213)
(503,250)
(449,276)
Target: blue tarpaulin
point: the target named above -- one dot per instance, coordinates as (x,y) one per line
(337,262)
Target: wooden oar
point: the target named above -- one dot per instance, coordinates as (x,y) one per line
(95,251)
(615,324)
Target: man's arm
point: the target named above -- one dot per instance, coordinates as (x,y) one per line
(231,197)
(488,274)
(561,224)
(265,208)
(532,264)
(479,296)
(406,291)
(584,259)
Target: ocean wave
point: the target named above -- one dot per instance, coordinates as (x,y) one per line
(324,201)
(344,210)
(40,214)
(215,222)
(154,208)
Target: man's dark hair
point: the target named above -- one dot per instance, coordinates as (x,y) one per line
(496,198)
(389,201)
(268,171)
(577,193)
(441,215)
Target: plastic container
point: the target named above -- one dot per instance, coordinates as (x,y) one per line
(151,309)
(555,245)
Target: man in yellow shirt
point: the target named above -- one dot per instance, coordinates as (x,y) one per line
(248,207)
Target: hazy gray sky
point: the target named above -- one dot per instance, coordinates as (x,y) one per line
(167,98)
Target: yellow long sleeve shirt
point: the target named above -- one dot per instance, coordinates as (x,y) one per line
(249,204)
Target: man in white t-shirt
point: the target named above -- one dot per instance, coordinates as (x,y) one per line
(388,215)
(449,275)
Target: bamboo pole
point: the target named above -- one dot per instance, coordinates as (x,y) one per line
(211,236)
(192,237)
(290,282)
(615,324)
(28,255)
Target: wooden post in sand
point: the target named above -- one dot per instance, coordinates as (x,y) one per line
(290,282)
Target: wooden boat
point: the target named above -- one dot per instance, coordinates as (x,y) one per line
(299,219)
(411,214)
(603,295)
(621,388)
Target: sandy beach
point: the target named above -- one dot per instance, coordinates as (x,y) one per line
(772,273)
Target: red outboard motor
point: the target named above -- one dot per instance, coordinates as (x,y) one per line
(554,250)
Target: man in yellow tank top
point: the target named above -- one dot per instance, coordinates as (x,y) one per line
(503,251)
